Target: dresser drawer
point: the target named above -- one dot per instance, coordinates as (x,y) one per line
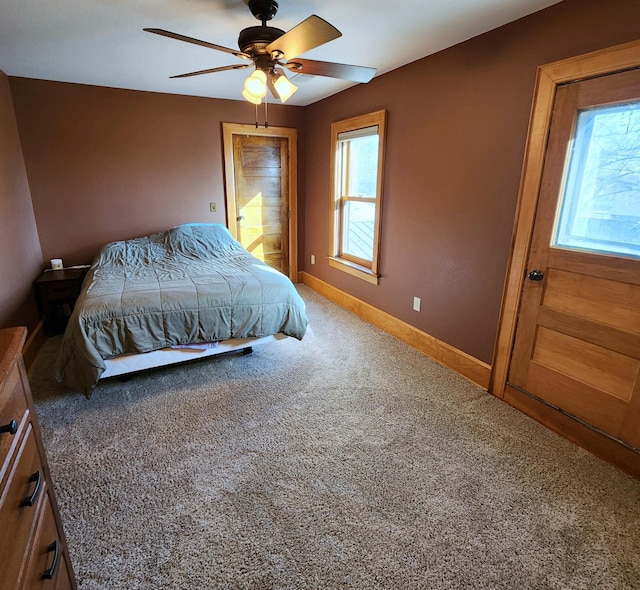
(13,416)
(19,503)
(47,568)
(31,534)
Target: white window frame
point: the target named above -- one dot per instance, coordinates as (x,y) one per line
(363,269)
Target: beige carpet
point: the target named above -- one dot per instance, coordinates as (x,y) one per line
(347,460)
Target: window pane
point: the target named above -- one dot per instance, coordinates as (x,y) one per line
(357,229)
(362,166)
(357,154)
(600,208)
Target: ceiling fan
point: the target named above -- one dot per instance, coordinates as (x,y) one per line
(271,50)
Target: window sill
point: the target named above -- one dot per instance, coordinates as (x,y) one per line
(353,269)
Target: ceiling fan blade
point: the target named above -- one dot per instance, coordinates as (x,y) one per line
(212,70)
(310,33)
(331,70)
(179,37)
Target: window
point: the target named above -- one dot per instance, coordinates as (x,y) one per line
(357,161)
(600,208)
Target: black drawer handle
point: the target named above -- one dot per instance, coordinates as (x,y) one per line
(11,428)
(55,547)
(31,500)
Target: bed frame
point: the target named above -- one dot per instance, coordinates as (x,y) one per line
(128,364)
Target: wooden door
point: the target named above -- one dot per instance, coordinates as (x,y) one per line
(260,174)
(260,170)
(577,342)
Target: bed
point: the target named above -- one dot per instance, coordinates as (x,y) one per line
(187,292)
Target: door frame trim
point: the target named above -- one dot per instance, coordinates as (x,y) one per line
(231,129)
(549,77)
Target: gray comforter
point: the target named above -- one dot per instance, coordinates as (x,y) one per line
(193,283)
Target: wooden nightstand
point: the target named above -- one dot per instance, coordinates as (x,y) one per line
(57,292)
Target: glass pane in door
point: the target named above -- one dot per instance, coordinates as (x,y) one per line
(600,206)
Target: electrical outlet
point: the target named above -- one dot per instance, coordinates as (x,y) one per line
(313,259)
(212,207)
(416,304)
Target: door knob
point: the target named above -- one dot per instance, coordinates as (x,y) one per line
(536,275)
(240,218)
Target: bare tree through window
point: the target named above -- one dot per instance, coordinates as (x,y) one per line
(601,203)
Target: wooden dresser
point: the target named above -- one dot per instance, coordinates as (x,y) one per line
(33,550)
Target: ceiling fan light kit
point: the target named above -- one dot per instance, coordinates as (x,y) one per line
(251,98)
(271,50)
(283,85)
(256,84)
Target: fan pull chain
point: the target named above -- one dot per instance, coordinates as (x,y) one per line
(266,122)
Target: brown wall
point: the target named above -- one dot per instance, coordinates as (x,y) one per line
(20,256)
(457,125)
(107,164)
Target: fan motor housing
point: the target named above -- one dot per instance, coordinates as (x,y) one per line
(253,40)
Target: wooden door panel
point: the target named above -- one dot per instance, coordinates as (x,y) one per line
(271,232)
(260,153)
(577,343)
(603,300)
(590,331)
(597,366)
(274,261)
(631,420)
(597,265)
(559,390)
(263,171)
(262,242)
(257,217)
(257,190)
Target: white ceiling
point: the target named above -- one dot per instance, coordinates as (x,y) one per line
(101,42)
